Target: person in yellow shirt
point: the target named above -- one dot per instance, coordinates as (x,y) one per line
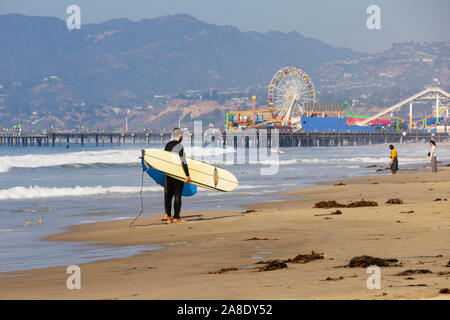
(394,159)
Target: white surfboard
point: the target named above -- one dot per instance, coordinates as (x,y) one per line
(202,174)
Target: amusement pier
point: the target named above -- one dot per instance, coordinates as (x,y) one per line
(298,119)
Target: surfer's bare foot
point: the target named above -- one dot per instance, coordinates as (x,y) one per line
(178,220)
(169,220)
(164,218)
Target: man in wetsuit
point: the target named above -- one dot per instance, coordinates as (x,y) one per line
(173,188)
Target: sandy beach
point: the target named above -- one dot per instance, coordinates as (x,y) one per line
(416,233)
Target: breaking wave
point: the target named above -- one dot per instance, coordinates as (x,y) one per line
(93,158)
(33,192)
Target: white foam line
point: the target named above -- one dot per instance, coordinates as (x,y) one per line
(33,192)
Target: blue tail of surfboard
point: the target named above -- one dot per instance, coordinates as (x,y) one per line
(159,178)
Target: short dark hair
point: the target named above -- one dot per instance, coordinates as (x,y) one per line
(391,147)
(177,132)
(432,142)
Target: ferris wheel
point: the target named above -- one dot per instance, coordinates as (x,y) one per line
(289,89)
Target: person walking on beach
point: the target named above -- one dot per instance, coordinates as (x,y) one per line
(432,156)
(394,159)
(173,188)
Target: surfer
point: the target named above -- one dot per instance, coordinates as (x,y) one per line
(394,159)
(173,188)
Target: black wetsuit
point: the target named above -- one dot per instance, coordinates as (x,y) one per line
(173,187)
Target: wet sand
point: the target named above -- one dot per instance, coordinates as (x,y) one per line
(210,241)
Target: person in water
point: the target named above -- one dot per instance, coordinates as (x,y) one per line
(394,159)
(173,188)
(432,156)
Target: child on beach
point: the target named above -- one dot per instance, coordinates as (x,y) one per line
(432,156)
(394,159)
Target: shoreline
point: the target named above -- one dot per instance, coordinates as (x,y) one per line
(296,228)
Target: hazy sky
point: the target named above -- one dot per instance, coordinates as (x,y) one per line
(337,22)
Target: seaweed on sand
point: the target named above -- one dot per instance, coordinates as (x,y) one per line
(366,261)
(352,204)
(395,201)
(280,264)
(337,212)
(362,203)
(256,238)
(415,271)
(223,270)
(273,265)
(305,258)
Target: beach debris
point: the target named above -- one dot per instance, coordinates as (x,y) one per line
(444,273)
(273,265)
(409,278)
(305,258)
(417,285)
(328,204)
(375,183)
(366,261)
(340,184)
(223,270)
(415,271)
(334,279)
(410,211)
(437,256)
(445,291)
(362,203)
(300,258)
(351,204)
(40,220)
(384,169)
(437,199)
(256,238)
(448,264)
(395,201)
(249,211)
(337,212)
(28,223)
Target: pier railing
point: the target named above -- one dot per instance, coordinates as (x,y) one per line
(285,139)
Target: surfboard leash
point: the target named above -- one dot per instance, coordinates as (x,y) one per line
(142,200)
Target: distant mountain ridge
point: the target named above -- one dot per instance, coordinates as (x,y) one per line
(121,58)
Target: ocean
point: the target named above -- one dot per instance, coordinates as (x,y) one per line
(90,184)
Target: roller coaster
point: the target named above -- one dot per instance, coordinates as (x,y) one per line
(292,106)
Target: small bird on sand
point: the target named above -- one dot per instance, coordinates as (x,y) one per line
(28,223)
(40,220)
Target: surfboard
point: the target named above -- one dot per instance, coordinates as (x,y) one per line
(202,174)
(159,178)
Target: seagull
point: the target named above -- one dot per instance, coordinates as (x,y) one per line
(40,220)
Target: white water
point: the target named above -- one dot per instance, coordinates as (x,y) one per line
(34,192)
(91,158)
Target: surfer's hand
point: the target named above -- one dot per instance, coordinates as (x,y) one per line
(188,179)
